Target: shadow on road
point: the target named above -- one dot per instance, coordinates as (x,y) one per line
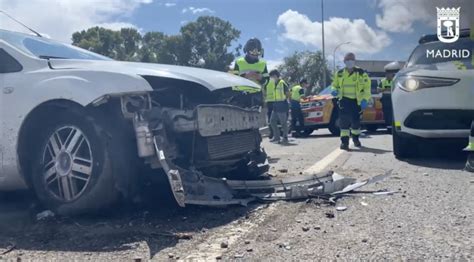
(158,221)
(377,151)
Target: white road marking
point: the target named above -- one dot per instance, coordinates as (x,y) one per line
(210,248)
(325,162)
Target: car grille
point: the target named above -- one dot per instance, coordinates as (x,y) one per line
(232,144)
(440,119)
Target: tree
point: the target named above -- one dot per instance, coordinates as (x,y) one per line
(152,43)
(208,40)
(307,64)
(99,40)
(203,43)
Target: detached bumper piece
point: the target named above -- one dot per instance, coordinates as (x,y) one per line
(192,187)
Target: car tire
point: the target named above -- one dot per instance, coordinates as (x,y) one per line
(402,146)
(372,128)
(307,132)
(73,171)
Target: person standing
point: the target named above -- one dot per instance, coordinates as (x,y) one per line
(279,91)
(297,92)
(253,67)
(351,85)
(385,88)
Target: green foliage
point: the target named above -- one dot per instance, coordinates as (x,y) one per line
(203,43)
(307,64)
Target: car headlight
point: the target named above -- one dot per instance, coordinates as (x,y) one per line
(413,83)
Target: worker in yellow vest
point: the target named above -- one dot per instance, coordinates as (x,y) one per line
(297,92)
(385,88)
(251,66)
(278,90)
(351,85)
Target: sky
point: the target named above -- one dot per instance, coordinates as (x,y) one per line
(375,29)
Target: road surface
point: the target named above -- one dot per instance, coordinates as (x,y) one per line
(429,217)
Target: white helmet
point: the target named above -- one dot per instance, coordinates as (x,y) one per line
(392,67)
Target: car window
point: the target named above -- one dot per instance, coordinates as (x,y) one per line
(420,57)
(8,64)
(46,48)
(326,91)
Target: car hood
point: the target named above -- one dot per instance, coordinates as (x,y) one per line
(318,98)
(208,78)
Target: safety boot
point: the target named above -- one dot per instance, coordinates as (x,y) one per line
(356,141)
(344,143)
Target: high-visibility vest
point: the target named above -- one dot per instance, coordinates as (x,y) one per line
(353,86)
(295,93)
(275,93)
(246,67)
(385,84)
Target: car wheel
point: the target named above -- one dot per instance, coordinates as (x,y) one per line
(402,146)
(72,170)
(307,132)
(334,127)
(372,128)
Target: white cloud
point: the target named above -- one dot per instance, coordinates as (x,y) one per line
(59,19)
(363,38)
(400,15)
(118,26)
(273,64)
(170,4)
(195,10)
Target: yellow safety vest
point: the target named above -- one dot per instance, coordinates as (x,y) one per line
(295,93)
(353,86)
(246,67)
(275,93)
(385,84)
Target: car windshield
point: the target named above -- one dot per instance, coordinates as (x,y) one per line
(426,54)
(326,91)
(46,48)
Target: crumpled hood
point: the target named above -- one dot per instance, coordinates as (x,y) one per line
(210,79)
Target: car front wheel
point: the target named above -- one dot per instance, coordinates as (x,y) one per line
(402,146)
(72,169)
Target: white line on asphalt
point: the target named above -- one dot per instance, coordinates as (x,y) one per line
(325,162)
(211,248)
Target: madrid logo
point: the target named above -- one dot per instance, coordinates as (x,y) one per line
(448,24)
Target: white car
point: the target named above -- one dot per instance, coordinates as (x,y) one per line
(433,96)
(76,126)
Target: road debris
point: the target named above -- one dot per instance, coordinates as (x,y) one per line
(380,193)
(44,215)
(224,244)
(329,215)
(341,208)
(9,249)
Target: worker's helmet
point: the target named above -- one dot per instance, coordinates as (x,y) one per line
(392,67)
(253,47)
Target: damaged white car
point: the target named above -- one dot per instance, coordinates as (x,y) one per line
(77,127)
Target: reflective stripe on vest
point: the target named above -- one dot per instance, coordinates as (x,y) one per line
(295,93)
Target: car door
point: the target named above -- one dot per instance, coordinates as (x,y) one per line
(8,65)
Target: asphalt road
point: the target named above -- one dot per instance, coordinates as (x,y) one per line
(429,217)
